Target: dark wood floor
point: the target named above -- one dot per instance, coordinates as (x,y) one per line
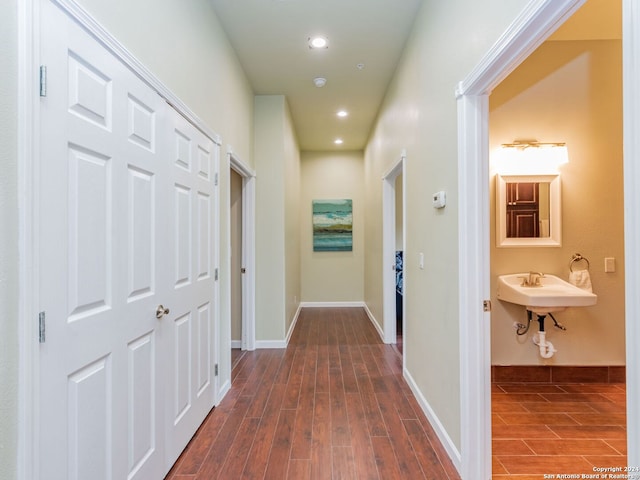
(333,405)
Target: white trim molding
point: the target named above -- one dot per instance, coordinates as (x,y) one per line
(375,323)
(536,22)
(631,145)
(270,344)
(293,324)
(332,304)
(473,280)
(28,153)
(224,376)
(224,389)
(438,428)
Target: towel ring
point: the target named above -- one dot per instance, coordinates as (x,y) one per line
(577,258)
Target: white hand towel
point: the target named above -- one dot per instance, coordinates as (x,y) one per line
(581,279)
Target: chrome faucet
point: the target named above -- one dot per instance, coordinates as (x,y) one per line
(532,280)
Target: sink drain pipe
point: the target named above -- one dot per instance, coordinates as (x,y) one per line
(546,348)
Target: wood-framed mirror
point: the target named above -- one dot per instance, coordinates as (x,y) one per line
(528,211)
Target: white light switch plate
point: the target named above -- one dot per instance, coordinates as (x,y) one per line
(609,264)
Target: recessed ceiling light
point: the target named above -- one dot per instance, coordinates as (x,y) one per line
(318,42)
(338,141)
(342,113)
(360,66)
(319,82)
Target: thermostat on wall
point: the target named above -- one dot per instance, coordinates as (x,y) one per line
(439,200)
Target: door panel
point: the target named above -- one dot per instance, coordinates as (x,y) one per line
(192,299)
(141,243)
(90,248)
(90,409)
(204,349)
(142,378)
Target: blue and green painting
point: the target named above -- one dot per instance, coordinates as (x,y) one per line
(332,226)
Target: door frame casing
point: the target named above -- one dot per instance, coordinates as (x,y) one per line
(537,21)
(631,162)
(389,248)
(28,153)
(248,250)
(28,220)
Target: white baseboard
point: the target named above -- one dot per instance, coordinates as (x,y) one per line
(331,304)
(267,344)
(236,343)
(223,391)
(443,436)
(293,324)
(373,321)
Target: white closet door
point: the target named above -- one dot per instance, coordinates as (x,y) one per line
(126,213)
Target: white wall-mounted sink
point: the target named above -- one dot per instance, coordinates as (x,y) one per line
(553,293)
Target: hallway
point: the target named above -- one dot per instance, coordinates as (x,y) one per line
(332,405)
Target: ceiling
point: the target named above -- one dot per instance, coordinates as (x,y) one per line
(270,38)
(595,20)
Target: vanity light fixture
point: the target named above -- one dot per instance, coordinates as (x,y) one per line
(530,157)
(318,42)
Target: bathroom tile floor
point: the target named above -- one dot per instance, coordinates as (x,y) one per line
(557,429)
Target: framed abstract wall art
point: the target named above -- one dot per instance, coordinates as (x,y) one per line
(332,225)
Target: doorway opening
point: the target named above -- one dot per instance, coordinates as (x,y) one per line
(241,256)
(526,33)
(236,267)
(393,254)
(550,94)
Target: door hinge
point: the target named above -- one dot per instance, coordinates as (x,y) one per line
(43,80)
(486,305)
(215,179)
(41,327)
(215,370)
(215,274)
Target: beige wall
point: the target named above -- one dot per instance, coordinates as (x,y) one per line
(332,276)
(8,240)
(419,114)
(568,91)
(277,163)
